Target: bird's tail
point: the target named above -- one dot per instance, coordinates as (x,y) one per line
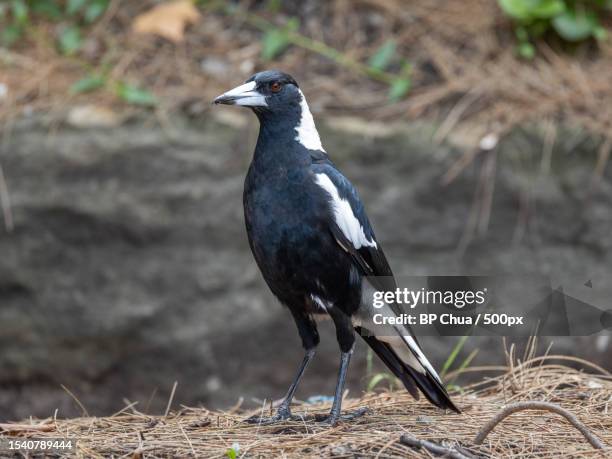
(403,356)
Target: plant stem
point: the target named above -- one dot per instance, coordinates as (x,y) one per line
(305,42)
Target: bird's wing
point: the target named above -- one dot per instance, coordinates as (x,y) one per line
(351,227)
(397,347)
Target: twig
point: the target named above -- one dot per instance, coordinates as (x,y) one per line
(188,440)
(603,157)
(550,136)
(5,202)
(170,399)
(456,113)
(27,427)
(125,408)
(544,406)
(77,401)
(434,448)
(308,43)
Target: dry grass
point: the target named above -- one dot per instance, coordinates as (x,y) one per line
(466,71)
(198,432)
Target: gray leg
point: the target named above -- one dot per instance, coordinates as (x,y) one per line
(334,414)
(284,410)
(345,359)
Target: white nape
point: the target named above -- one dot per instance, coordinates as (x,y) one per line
(307,133)
(343,214)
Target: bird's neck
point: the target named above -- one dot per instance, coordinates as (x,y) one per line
(288,136)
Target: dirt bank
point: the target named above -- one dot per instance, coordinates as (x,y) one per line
(128,266)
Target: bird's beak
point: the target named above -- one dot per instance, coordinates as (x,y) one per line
(245,95)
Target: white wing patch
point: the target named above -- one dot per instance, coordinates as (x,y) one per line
(343,214)
(307,133)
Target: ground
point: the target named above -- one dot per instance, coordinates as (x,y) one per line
(381,433)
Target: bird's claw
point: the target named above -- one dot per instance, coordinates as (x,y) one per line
(321,419)
(332,418)
(281,415)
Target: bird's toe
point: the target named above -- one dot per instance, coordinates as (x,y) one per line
(332,419)
(282,414)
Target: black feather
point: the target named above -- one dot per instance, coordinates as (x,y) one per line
(393,363)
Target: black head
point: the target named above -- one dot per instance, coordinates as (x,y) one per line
(270,91)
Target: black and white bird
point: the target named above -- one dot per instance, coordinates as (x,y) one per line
(314,245)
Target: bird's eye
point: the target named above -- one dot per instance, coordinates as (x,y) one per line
(276,86)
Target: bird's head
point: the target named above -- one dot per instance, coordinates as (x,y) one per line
(270,91)
(278,102)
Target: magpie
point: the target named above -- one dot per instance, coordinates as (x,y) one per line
(315,247)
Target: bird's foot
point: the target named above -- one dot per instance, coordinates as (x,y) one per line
(283,414)
(332,418)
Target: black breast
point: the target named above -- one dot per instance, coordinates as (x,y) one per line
(287,220)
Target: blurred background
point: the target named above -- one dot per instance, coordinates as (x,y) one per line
(478,133)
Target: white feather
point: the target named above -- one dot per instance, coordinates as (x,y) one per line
(343,214)
(420,356)
(307,133)
(400,340)
(319,302)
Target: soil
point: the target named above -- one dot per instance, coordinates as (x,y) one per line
(128,267)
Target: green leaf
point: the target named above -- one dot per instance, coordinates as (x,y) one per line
(454,388)
(381,59)
(406,68)
(95,9)
(233,451)
(273,6)
(276,40)
(73,6)
(453,355)
(527,10)
(573,26)
(10,34)
(600,33)
(46,8)
(521,33)
(526,50)
(377,379)
(70,40)
(399,88)
(20,11)
(539,27)
(88,84)
(135,95)
(518,9)
(545,9)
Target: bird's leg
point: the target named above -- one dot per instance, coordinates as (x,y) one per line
(284,410)
(345,334)
(334,414)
